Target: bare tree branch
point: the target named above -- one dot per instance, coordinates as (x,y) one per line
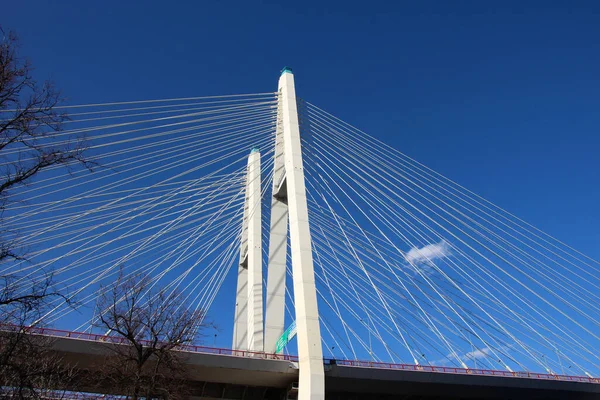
(32,140)
(152,326)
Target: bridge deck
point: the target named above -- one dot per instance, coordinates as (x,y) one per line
(345,379)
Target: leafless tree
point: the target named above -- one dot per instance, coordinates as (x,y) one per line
(29,369)
(32,140)
(150,328)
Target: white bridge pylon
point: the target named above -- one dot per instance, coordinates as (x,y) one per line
(248,325)
(288,208)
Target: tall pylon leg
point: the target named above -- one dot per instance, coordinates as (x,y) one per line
(310,354)
(255,277)
(278,232)
(240,323)
(248,324)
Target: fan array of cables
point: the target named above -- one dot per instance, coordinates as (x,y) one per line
(410,266)
(164,199)
(413,268)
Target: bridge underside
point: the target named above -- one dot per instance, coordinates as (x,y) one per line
(368,383)
(228,377)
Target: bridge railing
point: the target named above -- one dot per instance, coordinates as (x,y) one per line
(94,337)
(348,363)
(464,371)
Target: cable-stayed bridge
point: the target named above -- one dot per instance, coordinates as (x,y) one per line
(326,257)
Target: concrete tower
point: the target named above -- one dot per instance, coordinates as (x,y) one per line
(289,204)
(248,324)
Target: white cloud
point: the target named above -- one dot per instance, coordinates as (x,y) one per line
(486,351)
(425,256)
(478,354)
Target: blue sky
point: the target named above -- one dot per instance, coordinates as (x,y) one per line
(502,97)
